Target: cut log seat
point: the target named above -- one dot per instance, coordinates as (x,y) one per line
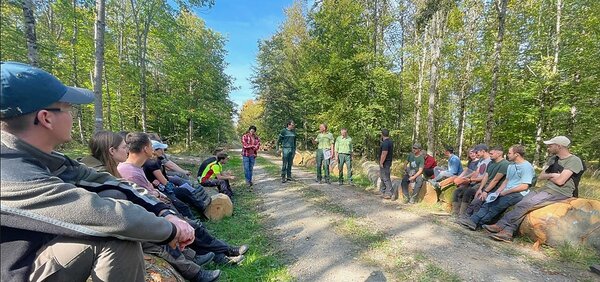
(220,207)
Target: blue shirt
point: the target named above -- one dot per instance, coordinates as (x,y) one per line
(519,174)
(454,165)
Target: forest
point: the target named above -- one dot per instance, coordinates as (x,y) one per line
(438,72)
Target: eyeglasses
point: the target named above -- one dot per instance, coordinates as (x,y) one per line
(71,111)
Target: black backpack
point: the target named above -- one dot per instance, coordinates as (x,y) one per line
(556,168)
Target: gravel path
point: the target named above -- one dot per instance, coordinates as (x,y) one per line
(317,253)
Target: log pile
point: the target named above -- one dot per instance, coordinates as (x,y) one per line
(576,221)
(220,206)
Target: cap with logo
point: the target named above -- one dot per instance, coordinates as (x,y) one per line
(157,145)
(26,89)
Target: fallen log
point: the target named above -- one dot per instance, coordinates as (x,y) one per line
(220,206)
(158,270)
(576,221)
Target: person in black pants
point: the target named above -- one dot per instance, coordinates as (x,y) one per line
(386,151)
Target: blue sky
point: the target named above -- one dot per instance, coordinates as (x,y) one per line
(244,23)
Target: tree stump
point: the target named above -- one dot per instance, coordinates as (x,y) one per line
(576,221)
(430,196)
(220,207)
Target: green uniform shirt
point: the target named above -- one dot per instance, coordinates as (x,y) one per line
(493,169)
(572,163)
(415,163)
(324,140)
(287,139)
(343,145)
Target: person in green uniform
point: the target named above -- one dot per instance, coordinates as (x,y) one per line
(287,141)
(413,171)
(343,154)
(324,142)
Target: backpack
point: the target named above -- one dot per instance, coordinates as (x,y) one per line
(556,168)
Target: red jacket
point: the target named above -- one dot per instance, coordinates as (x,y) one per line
(430,161)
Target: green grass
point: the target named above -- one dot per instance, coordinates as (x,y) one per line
(246,226)
(359,232)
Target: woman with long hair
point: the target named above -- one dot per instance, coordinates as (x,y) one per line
(109,149)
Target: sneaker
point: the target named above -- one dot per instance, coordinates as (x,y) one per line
(503,236)
(283,180)
(236,251)
(222,259)
(411,200)
(203,259)
(207,275)
(492,228)
(468,223)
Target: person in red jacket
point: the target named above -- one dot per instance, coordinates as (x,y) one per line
(430,163)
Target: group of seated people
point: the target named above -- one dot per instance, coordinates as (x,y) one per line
(140,160)
(492,184)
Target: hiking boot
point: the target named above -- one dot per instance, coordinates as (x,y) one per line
(207,275)
(283,180)
(290,179)
(468,223)
(203,259)
(492,228)
(222,259)
(503,236)
(236,251)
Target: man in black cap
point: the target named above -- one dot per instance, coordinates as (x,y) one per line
(413,171)
(55,225)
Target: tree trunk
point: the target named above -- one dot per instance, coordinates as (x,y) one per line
(541,124)
(99,64)
(121,47)
(417,129)
(436,32)
(495,69)
(30,36)
(108,102)
(75,71)
(190,134)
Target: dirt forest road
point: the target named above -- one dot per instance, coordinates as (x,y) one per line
(335,233)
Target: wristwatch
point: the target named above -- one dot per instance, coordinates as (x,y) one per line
(168,212)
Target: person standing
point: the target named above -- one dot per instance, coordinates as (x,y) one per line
(324,142)
(386,150)
(343,154)
(287,145)
(250,146)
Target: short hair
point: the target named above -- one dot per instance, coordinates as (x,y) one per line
(100,145)
(497,148)
(482,147)
(154,136)
(123,134)
(18,124)
(290,122)
(136,141)
(449,149)
(385,132)
(518,149)
(252,127)
(217,150)
(221,156)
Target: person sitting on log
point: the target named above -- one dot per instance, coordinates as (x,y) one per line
(56,224)
(430,164)
(173,172)
(214,176)
(454,169)
(465,190)
(413,169)
(140,149)
(492,179)
(107,150)
(558,187)
(519,177)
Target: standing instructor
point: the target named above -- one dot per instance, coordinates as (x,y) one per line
(287,141)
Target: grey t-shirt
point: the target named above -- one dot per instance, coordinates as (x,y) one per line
(572,163)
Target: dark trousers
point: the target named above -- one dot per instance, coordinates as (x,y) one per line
(179,205)
(223,186)
(416,188)
(183,264)
(533,201)
(322,163)
(344,159)
(287,158)
(205,242)
(386,181)
(187,197)
(489,211)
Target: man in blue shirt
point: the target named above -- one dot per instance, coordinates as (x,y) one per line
(519,177)
(454,168)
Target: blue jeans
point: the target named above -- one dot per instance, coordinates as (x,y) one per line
(489,211)
(248,167)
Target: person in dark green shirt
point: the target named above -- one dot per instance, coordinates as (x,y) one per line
(287,144)
(413,173)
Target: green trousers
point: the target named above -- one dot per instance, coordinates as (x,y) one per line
(287,158)
(322,163)
(345,159)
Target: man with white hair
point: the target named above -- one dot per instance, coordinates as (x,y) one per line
(562,174)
